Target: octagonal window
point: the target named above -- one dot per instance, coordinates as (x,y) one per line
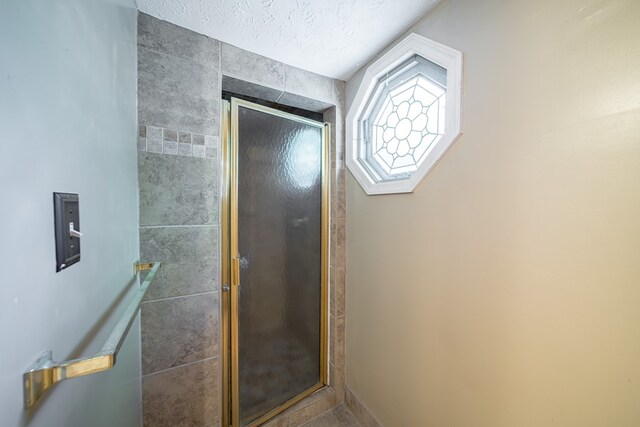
(404,116)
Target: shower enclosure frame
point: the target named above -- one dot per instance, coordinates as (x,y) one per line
(230,277)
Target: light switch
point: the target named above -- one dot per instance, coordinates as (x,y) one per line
(66,208)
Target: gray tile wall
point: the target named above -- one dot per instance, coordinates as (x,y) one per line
(178,115)
(180,78)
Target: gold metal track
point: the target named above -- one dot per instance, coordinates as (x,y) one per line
(231,263)
(225,259)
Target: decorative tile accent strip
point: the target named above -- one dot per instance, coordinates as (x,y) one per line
(184,137)
(184,149)
(169,135)
(198,139)
(154,133)
(176,142)
(198,150)
(170,147)
(154,146)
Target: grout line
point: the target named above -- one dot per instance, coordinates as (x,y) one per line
(318,416)
(284,77)
(323,393)
(199,64)
(182,296)
(180,366)
(179,226)
(251,80)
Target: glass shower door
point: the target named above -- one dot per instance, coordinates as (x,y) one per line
(278,235)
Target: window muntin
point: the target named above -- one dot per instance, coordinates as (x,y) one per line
(405,115)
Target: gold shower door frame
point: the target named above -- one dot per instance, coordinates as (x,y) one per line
(230,271)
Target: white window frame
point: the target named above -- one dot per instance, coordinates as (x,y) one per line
(444,56)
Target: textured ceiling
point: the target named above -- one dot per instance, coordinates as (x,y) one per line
(330,37)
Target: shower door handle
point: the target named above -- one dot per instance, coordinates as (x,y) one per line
(235,271)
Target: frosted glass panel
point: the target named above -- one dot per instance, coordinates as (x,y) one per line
(279,242)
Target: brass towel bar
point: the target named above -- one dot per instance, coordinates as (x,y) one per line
(44,373)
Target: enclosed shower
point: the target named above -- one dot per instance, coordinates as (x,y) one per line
(275,259)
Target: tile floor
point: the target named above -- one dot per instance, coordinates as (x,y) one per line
(337,417)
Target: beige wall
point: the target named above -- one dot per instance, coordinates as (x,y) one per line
(506,290)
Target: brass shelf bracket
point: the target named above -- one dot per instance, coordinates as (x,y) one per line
(138,267)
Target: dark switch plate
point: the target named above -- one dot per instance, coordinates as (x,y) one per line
(66,209)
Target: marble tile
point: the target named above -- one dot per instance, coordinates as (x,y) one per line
(197,139)
(281,420)
(164,37)
(254,90)
(337,380)
(313,406)
(332,242)
(178,331)
(340,153)
(312,85)
(338,250)
(184,149)
(170,147)
(364,417)
(340,132)
(184,137)
(169,135)
(211,141)
(176,190)
(189,260)
(337,291)
(248,66)
(333,211)
(305,103)
(153,147)
(334,185)
(176,93)
(337,417)
(336,347)
(341,193)
(340,88)
(153,133)
(329,115)
(182,397)
(305,410)
(198,150)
